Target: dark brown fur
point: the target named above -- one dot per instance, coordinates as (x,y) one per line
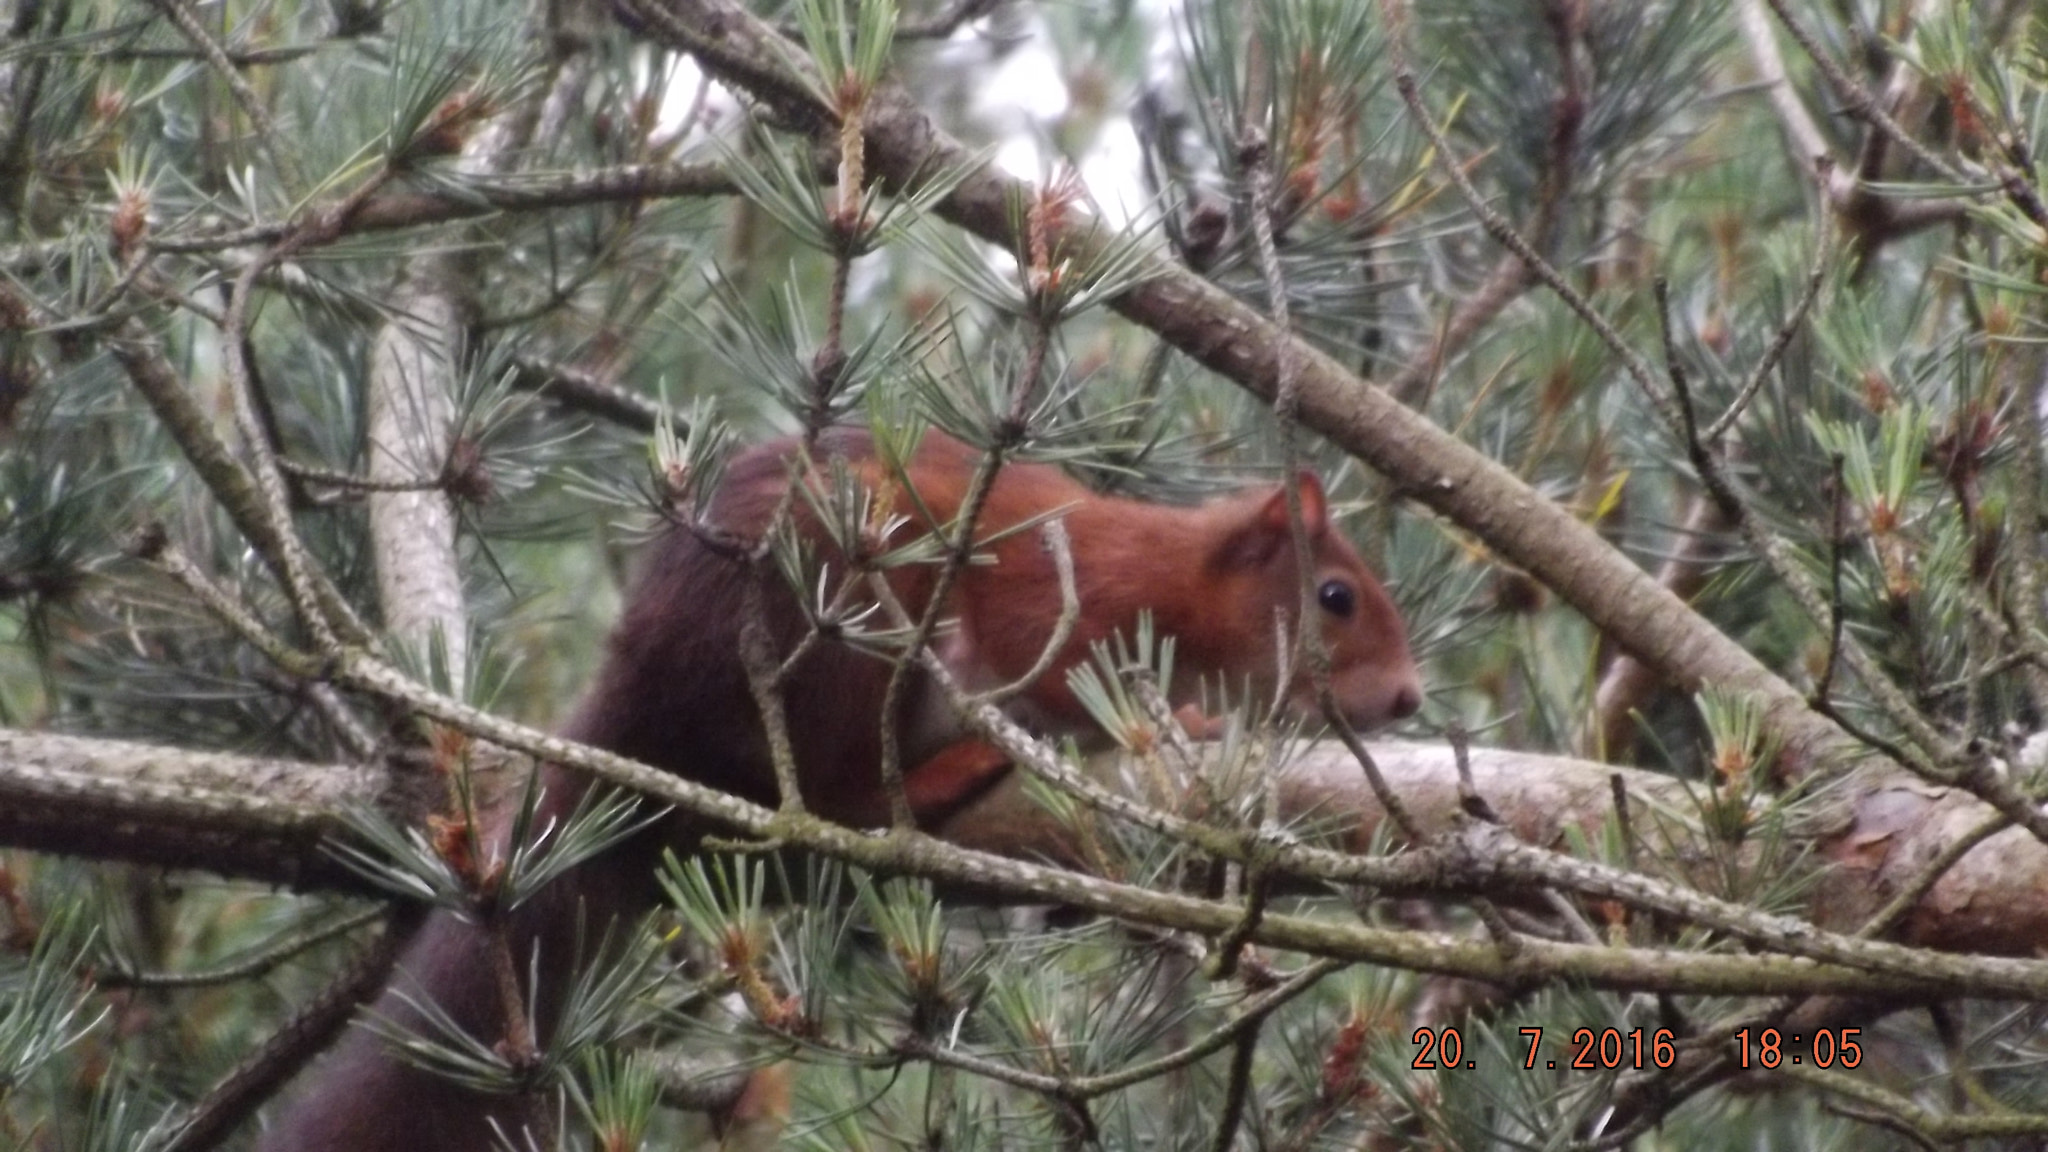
(673,694)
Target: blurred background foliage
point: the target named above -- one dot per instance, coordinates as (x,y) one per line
(1632,141)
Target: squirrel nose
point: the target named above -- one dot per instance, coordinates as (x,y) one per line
(1406,701)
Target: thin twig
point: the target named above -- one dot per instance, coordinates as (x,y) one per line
(140,355)
(1909,896)
(1307,645)
(480,194)
(1628,683)
(1237,1088)
(1056,543)
(1012,430)
(1936,750)
(257,963)
(2016,181)
(1475,807)
(231,1101)
(1901,1114)
(1857,99)
(348,727)
(1816,274)
(291,560)
(1503,232)
(1248,1016)
(299,666)
(1254,157)
(238,57)
(334,478)
(763,671)
(1389,800)
(940,26)
(175,564)
(1511,276)
(1838,500)
(245,96)
(1258,890)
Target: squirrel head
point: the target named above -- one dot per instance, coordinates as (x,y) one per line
(1372,675)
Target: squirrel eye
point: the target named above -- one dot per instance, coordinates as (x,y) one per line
(1337,598)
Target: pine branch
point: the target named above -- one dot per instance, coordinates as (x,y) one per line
(62,793)
(177,808)
(583,392)
(474,196)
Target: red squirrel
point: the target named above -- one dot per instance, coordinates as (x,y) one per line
(1220,577)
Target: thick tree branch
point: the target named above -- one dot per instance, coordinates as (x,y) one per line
(174,808)
(264,820)
(416,364)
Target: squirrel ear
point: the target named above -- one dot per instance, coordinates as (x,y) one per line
(1266,532)
(1315,507)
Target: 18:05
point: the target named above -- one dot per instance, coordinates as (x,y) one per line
(1829,1046)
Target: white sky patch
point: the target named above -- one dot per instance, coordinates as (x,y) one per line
(1111,173)
(1019,156)
(680,98)
(1025,82)
(1023,94)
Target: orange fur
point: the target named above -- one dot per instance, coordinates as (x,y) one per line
(1220,578)
(1216,576)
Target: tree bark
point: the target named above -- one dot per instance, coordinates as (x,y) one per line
(267,820)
